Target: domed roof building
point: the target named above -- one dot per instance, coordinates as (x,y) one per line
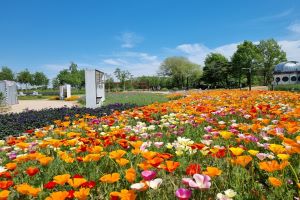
(287,73)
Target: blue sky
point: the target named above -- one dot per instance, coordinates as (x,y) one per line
(46,35)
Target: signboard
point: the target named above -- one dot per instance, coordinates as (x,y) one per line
(94,88)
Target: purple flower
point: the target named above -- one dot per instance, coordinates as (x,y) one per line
(201,181)
(148,175)
(183,194)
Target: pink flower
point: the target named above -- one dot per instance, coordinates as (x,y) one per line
(186,181)
(158,144)
(183,194)
(148,175)
(201,181)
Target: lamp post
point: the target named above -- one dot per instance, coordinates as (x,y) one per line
(250,75)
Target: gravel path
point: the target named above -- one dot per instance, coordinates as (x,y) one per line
(40,104)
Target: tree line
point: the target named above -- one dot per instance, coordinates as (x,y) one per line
(250,63)
(37,79)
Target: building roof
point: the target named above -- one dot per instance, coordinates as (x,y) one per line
(289,66)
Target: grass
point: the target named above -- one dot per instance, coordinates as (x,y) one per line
(291,87)
(32,97)
(139,98)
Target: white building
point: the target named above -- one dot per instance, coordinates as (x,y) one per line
(287,73)
(10,93)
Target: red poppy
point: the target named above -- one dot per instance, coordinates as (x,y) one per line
(50,185)
(4,185)
(31,171)
(193,169)
(77,176)
(71,194)
(220,154)
(6,175)
(89,184)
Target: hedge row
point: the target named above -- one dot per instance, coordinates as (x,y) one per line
(17,123)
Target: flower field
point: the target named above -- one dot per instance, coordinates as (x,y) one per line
(210,145)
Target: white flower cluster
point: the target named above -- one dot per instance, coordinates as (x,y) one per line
(182,145)
(228,195)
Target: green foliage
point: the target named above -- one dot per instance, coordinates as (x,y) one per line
(271,54)
(122,75)
(24,77)
(292,87)
(40,79)
(6,74)
(72,76)
(1,99)
(216,70)
(183,72)
(247,53)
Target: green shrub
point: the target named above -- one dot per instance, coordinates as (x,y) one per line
(292,87)
(164,89)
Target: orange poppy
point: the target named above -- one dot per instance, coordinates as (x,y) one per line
(27,190)
(149,154)
(212,171)
(4,194)
(170,166)
(273,165)
(82,194)
(275,181)
(130,175)
(242,160)
(155,161)
(144,165)
(45,160)
(61,195)
(76,182)
(61,179)
(117,154)
(110,178)
(11,166)
(122,161)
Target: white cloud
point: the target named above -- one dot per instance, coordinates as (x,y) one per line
(292,49)
(129,39)
(294,28)
(277,16)
(137,63)
(197,52)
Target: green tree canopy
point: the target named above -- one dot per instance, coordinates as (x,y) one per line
(182,71)
(6,74)
(271,54)
(40,79)
(243,59)
(24,77)
(216,70)
(122,76)
(72,76)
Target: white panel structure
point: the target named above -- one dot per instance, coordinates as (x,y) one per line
(64,91)
(94,88)
(9,90)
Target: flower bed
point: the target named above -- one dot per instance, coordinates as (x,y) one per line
(17,123)
(210,145)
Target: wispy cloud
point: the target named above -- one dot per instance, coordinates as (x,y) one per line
(129,39)
(277,16)
(137,63)
(294,27)
(197,52)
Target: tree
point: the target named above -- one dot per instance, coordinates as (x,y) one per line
(6,74)
(122,76)
(271,54)
(243,61)
(24,77)
(216,70)
(71,76)
(109,82)
(181,70)
(40,79)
